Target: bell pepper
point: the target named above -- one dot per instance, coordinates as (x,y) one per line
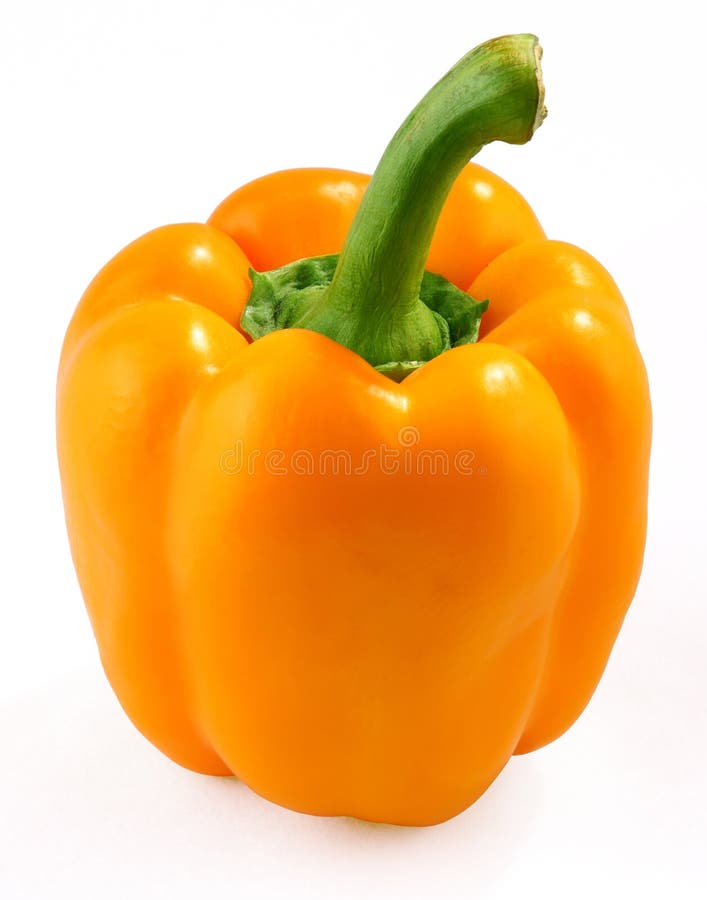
(355,474)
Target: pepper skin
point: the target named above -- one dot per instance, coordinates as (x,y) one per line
(269,597)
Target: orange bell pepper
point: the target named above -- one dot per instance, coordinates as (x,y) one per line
(361,594)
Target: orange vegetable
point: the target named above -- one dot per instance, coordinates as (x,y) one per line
(360,595)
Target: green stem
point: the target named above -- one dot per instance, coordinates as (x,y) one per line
(493,93)
(372,304)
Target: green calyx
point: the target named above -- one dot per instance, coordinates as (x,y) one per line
(288,296)
(375,297)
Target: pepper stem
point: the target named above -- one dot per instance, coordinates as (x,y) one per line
(372,304)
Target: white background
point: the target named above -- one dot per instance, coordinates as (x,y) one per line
(120,116)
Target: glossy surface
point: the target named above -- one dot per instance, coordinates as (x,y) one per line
(269,596)
(307,212)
